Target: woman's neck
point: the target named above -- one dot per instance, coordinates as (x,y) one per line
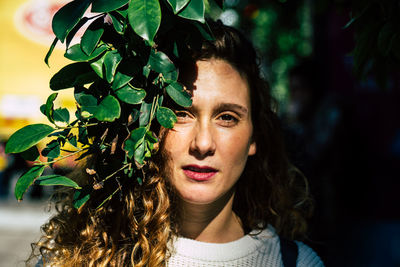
(214,223)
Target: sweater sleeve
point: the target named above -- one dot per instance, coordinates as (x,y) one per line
(307,257)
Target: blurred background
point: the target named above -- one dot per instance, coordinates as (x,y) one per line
(333,67)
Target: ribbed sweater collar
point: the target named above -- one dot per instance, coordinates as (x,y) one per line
(222,251)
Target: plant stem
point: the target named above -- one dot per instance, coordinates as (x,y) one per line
(114,173)
(64,157)
(108,198)
(153,109)
(70,127)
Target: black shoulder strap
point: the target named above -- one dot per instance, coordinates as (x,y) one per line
(289,252)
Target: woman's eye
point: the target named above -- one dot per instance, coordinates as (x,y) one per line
(228,120)
(182,115)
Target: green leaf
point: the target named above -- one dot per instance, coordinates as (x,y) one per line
(148,148)
(171,77)
(160,62)
(140,153)
(134,115)
(137,136)
(72,140)
(55,179)
(144,116)
(81,197)
(213,9)
(108,109)
(179,95)
(146,71)
(177,5)
(92,36)
(88,103)
(135,139)
(53,44)
(62,133)
(27,137)
(111,61)
(166,117)
(129,95)
(205,31)
(133,143)
(75,53)
(50,107)
(97,66)
(175,50)
(103,6)
(43,109)
(194,11)
(126,70)
(117,22)
(83,135)
(68,16)
(150,137)
(122,12)
(71,75)
(32,154)
(160,100)
(61,115)
(75,30)
(52,150)
(78,92)
(26,180)
(120,80)
(145,18)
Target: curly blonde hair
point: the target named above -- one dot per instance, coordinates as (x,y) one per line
(135,228)
(130,230)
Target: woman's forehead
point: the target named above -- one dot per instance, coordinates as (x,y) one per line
(219,81)
(218,66)
(220,73)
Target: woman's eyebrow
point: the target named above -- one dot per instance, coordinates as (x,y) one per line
(232,106)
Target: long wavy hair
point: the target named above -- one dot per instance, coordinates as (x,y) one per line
(135,227)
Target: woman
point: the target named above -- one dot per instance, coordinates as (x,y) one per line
(220,191)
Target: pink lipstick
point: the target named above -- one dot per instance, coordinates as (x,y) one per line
(199,173)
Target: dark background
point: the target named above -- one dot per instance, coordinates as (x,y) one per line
(339,91)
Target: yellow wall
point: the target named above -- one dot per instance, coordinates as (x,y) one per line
(24,77)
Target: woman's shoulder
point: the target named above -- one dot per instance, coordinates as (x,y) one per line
(307,257)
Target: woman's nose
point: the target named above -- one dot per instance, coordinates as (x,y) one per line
(203,143)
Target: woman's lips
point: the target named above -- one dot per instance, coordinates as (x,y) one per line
(199,173)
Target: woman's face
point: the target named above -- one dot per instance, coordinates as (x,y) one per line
(208,147)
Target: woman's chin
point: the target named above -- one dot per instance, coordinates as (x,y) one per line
(198,197)
(204,196)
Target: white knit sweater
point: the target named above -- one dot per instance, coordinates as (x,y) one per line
(262,250)
(253,250)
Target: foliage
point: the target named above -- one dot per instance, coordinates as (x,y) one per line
(125,66)
(377,38)
(282,32)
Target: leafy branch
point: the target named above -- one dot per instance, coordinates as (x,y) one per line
(123,68)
